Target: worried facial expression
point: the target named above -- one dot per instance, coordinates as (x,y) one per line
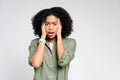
(51,26)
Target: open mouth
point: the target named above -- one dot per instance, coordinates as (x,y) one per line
(50,33)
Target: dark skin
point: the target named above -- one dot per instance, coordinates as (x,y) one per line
(52,29)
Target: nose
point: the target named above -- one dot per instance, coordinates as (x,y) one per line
(50,27)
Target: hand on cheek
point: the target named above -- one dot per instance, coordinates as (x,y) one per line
(59,28)
(43,31)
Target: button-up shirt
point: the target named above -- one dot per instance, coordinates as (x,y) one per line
(52,68)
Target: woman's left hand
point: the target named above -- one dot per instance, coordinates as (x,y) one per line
(59,28)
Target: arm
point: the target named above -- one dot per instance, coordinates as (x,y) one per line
(60,46)
(65,51)
(68,54)
(37,58)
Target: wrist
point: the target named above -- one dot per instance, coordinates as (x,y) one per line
(59,37)
(43,37)
(42,40)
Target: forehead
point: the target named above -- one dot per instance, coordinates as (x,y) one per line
(51,18)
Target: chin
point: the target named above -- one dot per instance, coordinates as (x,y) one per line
(51,37)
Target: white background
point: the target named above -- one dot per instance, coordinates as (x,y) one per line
(96,30)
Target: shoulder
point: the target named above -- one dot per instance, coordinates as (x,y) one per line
(69,41)
(34,41)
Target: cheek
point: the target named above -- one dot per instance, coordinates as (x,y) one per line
(56,29)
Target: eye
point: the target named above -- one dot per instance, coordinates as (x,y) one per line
(46,24)
(54,23)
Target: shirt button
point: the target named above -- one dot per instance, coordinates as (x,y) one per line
(51,76)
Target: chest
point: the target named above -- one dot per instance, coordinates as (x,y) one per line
(50,56)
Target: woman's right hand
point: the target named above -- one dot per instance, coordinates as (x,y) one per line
(43,36)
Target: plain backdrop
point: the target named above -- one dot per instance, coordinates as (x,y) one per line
(96,30)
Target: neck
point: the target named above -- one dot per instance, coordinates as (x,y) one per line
(51,40)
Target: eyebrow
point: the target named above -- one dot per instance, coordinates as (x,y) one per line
(51,22)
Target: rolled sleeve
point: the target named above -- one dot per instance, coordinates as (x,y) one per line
(68,54)
(32,48)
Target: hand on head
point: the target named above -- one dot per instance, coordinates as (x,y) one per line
(59,28)
(43,30)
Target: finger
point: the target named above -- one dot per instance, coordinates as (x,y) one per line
(43,25)
(59,22)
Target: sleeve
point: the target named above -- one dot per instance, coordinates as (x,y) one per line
(32,48)
(68,54)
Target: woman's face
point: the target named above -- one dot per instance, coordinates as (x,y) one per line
(51,26)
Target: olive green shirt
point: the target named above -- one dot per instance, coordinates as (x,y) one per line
(52,68)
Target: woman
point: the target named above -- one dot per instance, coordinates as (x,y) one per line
(51,53)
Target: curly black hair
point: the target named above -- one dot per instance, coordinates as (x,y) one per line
(61,13)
